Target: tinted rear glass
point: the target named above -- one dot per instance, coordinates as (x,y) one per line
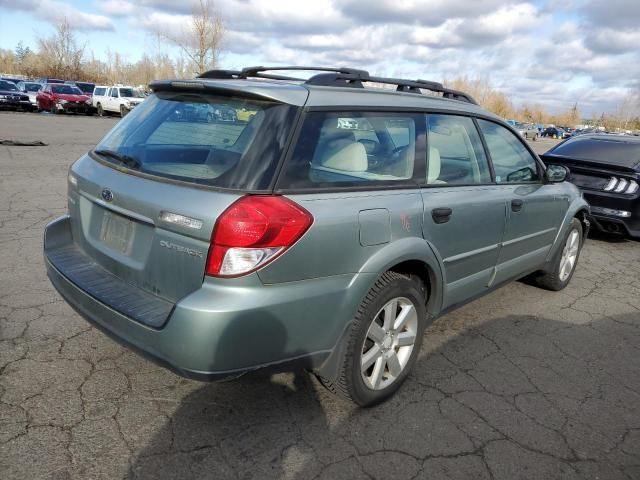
(194,137)
(608,150)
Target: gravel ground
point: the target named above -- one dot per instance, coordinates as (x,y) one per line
(523,383)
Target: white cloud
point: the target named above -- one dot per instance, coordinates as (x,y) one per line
(116,8)
(55,11)
(592,56)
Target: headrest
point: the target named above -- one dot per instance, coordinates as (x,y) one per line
(350,157)
(434,165)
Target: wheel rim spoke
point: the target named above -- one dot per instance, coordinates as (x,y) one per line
(406,339)
(390,314)
(393,363)
(406,314)
(378,370)
(376,333)
(371,356)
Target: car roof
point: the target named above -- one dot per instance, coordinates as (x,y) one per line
(302,94)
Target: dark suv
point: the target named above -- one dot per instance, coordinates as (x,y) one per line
(327,231)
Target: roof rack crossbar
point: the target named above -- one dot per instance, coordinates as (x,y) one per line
(255,71)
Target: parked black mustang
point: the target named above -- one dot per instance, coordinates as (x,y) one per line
(607,170)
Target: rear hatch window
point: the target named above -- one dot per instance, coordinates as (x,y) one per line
(200,138)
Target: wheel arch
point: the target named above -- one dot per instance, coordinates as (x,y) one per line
(412,256)
(578,208)
(408,256)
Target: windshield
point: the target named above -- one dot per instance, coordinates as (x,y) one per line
(85,87)
(185,136)
(4,85)
(32,87)
(130,92)
(66,89)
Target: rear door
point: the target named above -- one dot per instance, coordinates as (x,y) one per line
(464,211)
(534,208)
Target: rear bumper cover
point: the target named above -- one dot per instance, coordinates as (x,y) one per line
(226,328)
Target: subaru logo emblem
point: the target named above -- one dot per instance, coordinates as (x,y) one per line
(107,195)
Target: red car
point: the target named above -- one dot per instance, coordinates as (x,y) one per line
(59,97)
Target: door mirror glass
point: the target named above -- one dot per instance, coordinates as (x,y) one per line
(557,173)
(521,175)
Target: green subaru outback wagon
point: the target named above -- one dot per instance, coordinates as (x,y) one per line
(326,232)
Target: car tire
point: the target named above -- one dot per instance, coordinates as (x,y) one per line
(558,278)
(389,358)
(123,111)
(100,110)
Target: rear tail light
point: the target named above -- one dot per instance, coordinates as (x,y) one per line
(621,185)
(254,231)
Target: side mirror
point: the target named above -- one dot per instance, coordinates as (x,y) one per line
(557,173)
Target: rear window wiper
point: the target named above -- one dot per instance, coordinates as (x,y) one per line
(127,160)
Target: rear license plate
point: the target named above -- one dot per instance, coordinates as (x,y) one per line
(118,233)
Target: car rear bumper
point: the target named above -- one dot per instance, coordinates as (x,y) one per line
(615,213)
(225,328)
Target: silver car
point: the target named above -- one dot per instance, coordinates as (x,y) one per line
(528,131)
(326,233)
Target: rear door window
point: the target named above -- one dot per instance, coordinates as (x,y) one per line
(340,149)
(177,135)
(455,152)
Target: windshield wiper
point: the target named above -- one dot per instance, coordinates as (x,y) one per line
(127,160)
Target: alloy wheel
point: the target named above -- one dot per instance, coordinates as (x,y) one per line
(569,255)
(389,343)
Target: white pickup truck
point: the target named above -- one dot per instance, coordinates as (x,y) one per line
(116,99)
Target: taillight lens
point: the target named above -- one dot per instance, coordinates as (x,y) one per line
(621,185)
(253,231)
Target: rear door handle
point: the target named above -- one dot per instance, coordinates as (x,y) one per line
(516,205)
(441,215)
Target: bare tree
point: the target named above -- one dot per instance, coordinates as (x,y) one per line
(61,51)
(201,42)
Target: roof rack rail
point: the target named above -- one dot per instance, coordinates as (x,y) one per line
(341,77)
(403,85)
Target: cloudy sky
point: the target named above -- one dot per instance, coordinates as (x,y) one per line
(551,52)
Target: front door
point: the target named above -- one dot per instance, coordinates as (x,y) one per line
(534,208)
(113,103)
(464,211)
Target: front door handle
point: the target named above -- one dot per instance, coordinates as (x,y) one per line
(516,205)
(441,215)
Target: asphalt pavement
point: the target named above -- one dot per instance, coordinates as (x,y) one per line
(521,384)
